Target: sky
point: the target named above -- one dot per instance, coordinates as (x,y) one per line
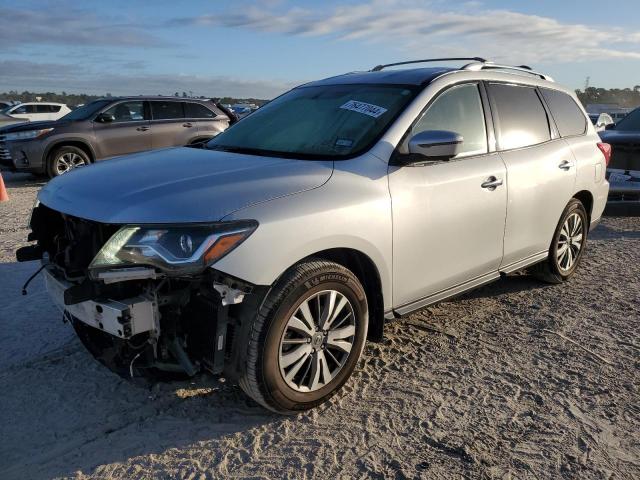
(262,48)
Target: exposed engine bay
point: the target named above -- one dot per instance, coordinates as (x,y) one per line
(137,320)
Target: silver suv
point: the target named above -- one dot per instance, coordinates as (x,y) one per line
(271,255)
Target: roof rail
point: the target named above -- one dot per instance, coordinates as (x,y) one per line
(377,68)
(477,66)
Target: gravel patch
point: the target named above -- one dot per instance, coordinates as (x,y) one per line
(515,380)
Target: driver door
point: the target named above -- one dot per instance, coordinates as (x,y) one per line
(448,226)
(128,131)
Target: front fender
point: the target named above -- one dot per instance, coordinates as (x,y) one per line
(349,211)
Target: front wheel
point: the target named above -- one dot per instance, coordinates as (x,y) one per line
(567,246)
(65,159)
(307,337)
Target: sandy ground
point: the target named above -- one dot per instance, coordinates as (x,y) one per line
(515,380)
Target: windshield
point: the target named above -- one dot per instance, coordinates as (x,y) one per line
(329,121)
(86,111)
(631,122)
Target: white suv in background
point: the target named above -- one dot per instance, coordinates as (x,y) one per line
(35,111)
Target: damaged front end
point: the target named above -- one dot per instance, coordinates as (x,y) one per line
(144,299)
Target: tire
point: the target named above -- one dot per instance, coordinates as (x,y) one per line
(555,268)
(275,337)
(72,157)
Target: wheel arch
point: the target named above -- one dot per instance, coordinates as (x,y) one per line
(70,142)
(586,198)
(364,268)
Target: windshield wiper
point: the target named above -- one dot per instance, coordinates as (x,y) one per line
(267,153)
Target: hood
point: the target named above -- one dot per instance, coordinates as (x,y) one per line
(620,137)
(179,185)
(27,125)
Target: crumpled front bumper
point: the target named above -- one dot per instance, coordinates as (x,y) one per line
(120,318)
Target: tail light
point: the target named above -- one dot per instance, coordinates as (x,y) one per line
(605,148)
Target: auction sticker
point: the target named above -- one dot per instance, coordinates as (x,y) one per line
(365,108)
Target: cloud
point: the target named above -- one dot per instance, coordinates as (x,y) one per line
(69,27)
(25,75)
(501,34)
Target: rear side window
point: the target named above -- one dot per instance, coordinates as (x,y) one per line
(569,118)
(47,108)
(166,110)
(197,110)
(521,118)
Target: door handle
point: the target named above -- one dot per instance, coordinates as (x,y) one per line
(188,125)
(491,183)
(142,129)
(565,165)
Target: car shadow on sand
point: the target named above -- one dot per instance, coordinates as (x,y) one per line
(64,413)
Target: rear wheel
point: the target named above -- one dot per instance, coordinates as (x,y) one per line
(307,337)
(567,246)
(65,159)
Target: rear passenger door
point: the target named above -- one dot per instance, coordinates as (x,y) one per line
(169,127)
(47,112)
(541,169)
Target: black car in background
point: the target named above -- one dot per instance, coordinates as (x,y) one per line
(107,128)
(623,172)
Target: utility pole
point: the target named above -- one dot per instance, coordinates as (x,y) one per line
(586,83)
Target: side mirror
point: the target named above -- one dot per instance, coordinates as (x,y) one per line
(436,144)
(610,126)
(105,118)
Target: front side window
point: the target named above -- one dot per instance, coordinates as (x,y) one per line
(127,112)
(458,109)
(521,117)
(22,109)
(322,121)
(569,118)
(196,110)
(166,110)
(86,111)
(630,123)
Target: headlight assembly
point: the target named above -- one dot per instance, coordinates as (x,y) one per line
(177,250)
(27,134)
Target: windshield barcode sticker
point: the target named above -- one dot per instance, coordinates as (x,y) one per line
(365,108)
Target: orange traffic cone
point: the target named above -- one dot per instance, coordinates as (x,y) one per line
(4,196)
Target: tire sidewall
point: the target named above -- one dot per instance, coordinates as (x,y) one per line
(276,386)
(53,158)
(573,207)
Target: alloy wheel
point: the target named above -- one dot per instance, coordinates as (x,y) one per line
(68,161)
(317,341)
(570,242)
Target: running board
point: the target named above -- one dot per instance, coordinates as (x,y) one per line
(464,287)
(527,262)
(444,294)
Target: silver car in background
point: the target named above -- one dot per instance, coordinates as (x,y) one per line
(271,255)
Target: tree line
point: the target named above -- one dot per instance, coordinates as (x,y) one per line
(74,99)
(625,97)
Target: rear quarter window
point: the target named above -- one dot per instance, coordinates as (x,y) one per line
(197,110)
(521,118)
(568,116)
